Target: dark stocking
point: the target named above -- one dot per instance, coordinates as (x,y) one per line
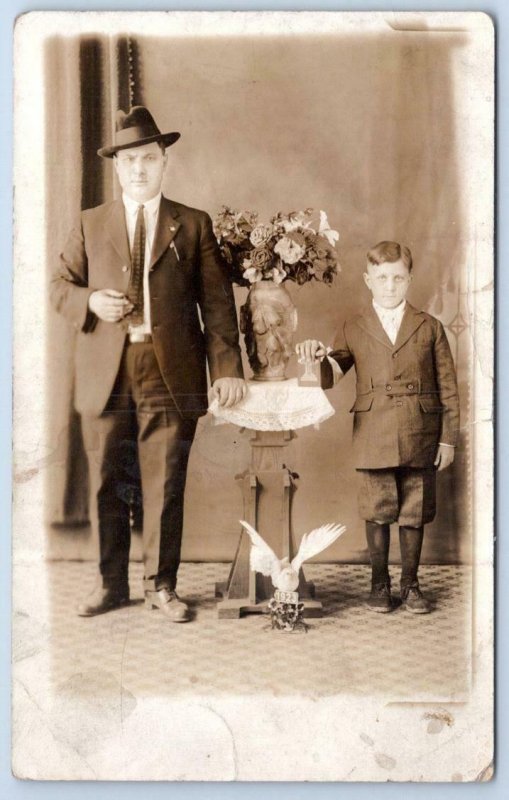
(410,541)
(378,538)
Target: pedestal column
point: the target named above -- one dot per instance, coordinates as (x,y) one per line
(267,488)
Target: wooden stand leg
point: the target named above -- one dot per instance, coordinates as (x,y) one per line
(267,489)
(239,591)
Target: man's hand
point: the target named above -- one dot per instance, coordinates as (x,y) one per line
(445,457)
(109,305)
(229,391)
(310,350)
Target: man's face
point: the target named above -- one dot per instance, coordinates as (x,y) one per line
(388,282)
(140,171)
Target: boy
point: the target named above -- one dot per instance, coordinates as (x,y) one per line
(406,416)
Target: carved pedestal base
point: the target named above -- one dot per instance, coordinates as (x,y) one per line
(267,488)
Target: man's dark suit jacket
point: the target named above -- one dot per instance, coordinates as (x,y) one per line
(407,397)
(188,279)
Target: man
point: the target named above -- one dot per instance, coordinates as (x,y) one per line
(134,281)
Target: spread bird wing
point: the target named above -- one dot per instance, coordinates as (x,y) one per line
(262,558)
(315,541)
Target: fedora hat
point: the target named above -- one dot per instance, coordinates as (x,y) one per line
(134,129)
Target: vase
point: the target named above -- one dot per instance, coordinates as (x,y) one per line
(268,320)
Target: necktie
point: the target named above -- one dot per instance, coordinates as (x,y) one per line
(135,291)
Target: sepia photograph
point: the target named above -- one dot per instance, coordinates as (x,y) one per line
(253,378)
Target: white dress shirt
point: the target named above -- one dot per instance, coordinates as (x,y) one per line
(390,318)
(150,213)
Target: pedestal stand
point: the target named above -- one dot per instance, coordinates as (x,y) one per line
(267,488)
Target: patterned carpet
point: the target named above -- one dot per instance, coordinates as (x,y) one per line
(350,649)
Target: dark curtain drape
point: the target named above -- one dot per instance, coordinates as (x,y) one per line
(88,78)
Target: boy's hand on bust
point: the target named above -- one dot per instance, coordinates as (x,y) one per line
(310,350)
(445,456)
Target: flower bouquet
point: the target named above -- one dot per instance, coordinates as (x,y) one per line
(299,247)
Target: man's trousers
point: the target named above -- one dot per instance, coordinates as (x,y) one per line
(140,425)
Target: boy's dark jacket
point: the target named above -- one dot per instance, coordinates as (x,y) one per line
(407,396)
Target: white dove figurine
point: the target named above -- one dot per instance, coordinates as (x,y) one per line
(285,574)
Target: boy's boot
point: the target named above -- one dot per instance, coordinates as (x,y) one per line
(410,540)
(378,538)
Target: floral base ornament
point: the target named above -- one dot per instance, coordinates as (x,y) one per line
(299,247)
(287,614)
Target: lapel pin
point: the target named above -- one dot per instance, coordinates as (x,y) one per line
(174,248)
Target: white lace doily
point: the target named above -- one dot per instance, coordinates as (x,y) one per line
(276,406)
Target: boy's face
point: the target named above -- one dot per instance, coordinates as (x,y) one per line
(388,282)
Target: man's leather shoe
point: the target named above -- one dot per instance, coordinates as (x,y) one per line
(380,598)
(102,600)
(413,599)
(169,603)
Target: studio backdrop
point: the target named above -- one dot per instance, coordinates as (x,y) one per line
(361,126)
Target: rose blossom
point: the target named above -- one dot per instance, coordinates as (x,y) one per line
(261,234)
(260,257)
(290,251)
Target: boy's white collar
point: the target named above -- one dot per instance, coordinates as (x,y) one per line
(393,312)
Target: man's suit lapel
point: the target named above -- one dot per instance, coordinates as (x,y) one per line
(371,324)
(166,229)
(117,231)
(412,319)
